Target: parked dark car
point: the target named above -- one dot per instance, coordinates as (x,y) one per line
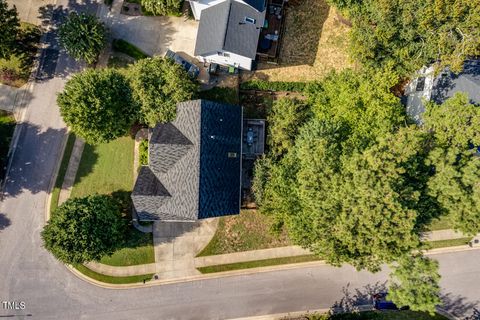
(380,302)
(192,70)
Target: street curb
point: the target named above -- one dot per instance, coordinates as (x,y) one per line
(242,272)
(210,276)
(277,316)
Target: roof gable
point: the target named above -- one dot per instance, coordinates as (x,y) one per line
(223,27)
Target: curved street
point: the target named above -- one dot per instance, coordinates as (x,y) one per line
(50,291)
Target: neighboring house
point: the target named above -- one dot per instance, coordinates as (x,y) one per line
(194,165)
(229,30)
(427,87)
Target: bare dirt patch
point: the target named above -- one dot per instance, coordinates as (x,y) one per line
(315,43)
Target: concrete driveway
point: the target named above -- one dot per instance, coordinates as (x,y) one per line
(153,35)
(177,244)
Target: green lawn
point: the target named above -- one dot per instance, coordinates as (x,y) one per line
(7,126)
(448,243)
(126,47)
(375,315)
(61,171)
(16,70)
(113,280)
(105,168)
(442,223)
(108,169)
(258,263)
(137,250)
(249,230)
(220,94)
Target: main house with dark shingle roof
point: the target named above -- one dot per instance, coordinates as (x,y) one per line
(430,87)
(194,165)
(229,30)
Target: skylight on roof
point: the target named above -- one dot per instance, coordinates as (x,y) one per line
(250,20)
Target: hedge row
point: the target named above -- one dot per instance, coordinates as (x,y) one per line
(273,85)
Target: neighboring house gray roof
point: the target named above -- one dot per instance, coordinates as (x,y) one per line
(223,28)
(447,83)
(191,174)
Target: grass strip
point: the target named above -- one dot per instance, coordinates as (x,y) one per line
(126,47)
(258,263)
(61,171)
(7,127)
(448,243)
(379,315)
(113,280)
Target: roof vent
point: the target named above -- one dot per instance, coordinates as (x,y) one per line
(232,154)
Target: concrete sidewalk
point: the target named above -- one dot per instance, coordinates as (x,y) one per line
(71,173)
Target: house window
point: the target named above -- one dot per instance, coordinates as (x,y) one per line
(250,20)
(224,54)
(420,84)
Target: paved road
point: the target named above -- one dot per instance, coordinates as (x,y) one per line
(28,273)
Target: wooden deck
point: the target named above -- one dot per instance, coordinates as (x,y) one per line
(268,49)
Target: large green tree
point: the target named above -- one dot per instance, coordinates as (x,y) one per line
(286,117)
(410,33)
(84,229)
(97,105)
(163,7)
(454,126)
(158,84)
(83,36)
(415,283)
(9,24)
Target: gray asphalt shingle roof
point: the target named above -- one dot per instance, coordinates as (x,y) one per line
(223,28)
(447,83)
(190,174)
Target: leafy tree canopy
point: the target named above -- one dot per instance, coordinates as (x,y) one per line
(163,7)
(285,119)
(83,36)
(454,125)
(9,24)
(97,105)
(409,34)
(362,102)
(158,84)
(415,283)
(84,229)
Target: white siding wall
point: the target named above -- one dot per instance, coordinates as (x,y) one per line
(235,60)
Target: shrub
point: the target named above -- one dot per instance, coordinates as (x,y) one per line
(83,36)
(272,85)
(143,152)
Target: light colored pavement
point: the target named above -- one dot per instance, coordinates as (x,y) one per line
(8,96)
(245,256)
(71,172)
(438,235)
(153,35)
(122,271)
(31,11)
(177,243)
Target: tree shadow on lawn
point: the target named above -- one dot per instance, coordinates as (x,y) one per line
(88,160)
